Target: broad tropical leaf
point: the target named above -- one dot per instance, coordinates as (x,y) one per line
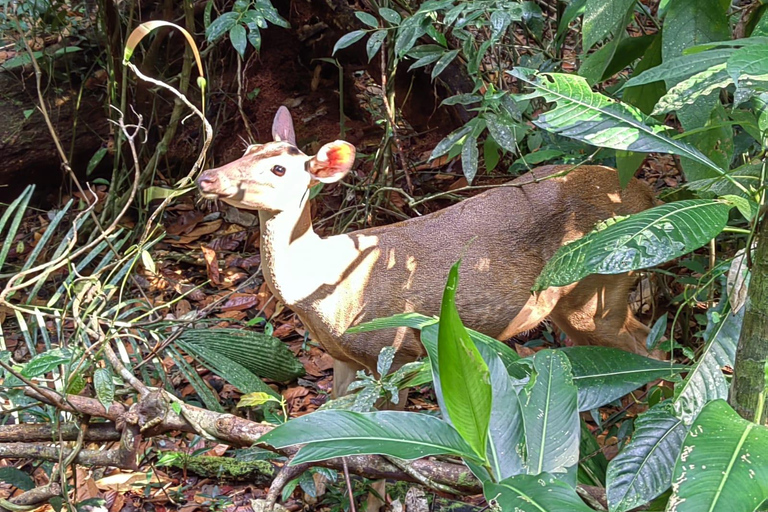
(705,381)
(464,376)
(643,468)
(550,415)
(680,68)
(638,241)
(598,120)
(723,464)
(704,83)
(533,493)
(506,434)
(335,433)
(603,374)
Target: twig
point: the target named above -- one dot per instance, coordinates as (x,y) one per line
(285,475)
(349,485)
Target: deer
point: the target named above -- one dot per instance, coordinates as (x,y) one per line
(341,281)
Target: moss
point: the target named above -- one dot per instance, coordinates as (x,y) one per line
(257,471)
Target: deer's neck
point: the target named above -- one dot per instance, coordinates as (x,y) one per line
(289,246)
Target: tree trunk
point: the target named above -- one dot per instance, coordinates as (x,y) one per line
(748,390)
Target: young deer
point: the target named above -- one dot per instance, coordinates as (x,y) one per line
(337,282)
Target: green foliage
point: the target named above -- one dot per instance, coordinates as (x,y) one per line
(637,241)
(243,23)
(643,469)
(723,464)
(464,376)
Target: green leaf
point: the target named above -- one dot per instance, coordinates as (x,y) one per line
(237,37)
(657,332)
(348,40)
(604,374)
(259,353)
(533,493)
(693,23)
(596,119)
(391,16)
(368,19)
(506,431)
(409,32)
(491,154)
(550,415)
(643,468)
(412,320)
(221,26)
(254,37)
(104,386)
(228,368)
(19,205)
(95,159)
(723,464)
(46,362)
(638,241)
(602,18)
(688,91)
(443,62)
(705,381)
(374,43)
(469,156)
(748,67)
(505,131)
(464,376)
(747,175)
(677,69)
(715,140)
(17,478)
(451,140)
(335,433)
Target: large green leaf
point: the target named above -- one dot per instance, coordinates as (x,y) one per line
(464,376)
(336,433)
(550,415)
(687,24)
(715,140)
(723,464)
(506,434)
(638,241)
(533,493)
(598,120)
(677,69)
(705,381)
(602,18)
(749,69)
(704,83)
(603,374)
(643,96)
(643,468)
(692,23)
(261,354)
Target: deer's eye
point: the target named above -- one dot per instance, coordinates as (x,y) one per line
(278,170)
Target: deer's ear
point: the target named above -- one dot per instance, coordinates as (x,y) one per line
(282,127)
(332,162)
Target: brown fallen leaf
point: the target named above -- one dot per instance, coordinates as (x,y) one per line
(241,302)
(211,265)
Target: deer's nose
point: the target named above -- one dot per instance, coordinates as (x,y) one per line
(208,182)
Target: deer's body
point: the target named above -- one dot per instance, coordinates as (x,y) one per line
(505,236)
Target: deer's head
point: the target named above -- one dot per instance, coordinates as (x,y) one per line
(275,176)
